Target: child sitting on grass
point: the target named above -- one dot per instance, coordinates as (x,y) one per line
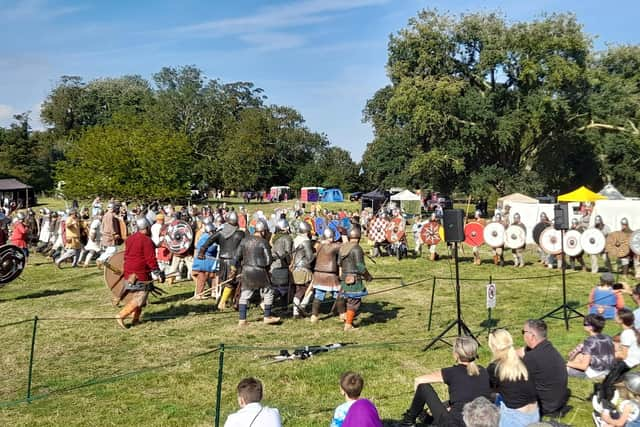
(351,385)
(627,412)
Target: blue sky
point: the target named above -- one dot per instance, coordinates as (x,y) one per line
(323,57)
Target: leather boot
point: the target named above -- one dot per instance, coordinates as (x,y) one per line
(315,310)
(495,259)
(341,307)
(432,257)
(125,312)
(226,293)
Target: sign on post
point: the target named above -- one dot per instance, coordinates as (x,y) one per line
(491,295)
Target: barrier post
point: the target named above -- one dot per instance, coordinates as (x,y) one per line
(219,387)
(33,346)
(433,292)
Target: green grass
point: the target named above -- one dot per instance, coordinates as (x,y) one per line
(90,372)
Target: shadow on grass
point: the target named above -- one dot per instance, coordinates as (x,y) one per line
(486,324)
(171,298)
(41,294)
(176,311)
(378,312)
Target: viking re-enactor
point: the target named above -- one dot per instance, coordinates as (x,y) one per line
(140,265)
(228,238)
(353,274)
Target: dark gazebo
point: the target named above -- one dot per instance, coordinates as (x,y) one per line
(17,191)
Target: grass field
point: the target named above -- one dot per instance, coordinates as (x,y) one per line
(87,371)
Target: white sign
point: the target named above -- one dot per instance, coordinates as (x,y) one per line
(491,295)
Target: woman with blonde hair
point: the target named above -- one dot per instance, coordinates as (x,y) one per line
(509,376)
(465,379)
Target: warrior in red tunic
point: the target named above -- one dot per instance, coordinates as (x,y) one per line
(140,269)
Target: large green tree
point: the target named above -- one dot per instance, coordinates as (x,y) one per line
(130,158)
(478,104)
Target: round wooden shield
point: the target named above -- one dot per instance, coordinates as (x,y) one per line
(430,233)
(493,234)
(551,241)
(114,278)
(515,237)
(634,243)
(572,242)
(592,241)
(179,237)
(334,226)
(617,245)
(473,234)
(394,236)
(12,262)
(537,231)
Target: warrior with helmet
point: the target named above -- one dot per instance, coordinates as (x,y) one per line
(600,225)
(72,244)
(302,267)
(326,274)
(625,261)
(140,269)
(576,225)
(93,239)
(254,255)
(498,252)
(228,237)
(282,248)
(477,218)
(19,234)
(110,234)
(353,273)
(518,253)
(203,269)
(544,219)
(435,222)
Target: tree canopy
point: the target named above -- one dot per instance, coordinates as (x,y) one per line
(478,104)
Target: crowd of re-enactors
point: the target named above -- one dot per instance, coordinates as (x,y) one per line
(520,386)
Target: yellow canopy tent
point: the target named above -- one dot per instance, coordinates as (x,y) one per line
(582,194)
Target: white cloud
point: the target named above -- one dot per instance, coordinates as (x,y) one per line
(35,10)
(6,113)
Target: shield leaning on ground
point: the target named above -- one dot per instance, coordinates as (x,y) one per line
(515,237)
(114,277)
(634,243)
(617,245)
(493,234)
(473,235)
(551,241)
(572,245)
(12,262)
(537,231)
(592,241)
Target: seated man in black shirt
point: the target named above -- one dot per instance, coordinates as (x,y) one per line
(546,366)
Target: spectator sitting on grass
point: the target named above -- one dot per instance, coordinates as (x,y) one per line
(252,413)
(595,356)
(480,412)
(354,411)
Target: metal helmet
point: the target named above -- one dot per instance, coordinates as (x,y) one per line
(574,221)
(632,382)
(355,232)
(261,226)
(544,217)
(624,221)
(209,227)
(304,228)
(478,214)
(20,216)
(206,220)
(327,234)
(282,225)
(232,218)
(111,205)
(598,220)
(497,216)
(142,223)
(516,217)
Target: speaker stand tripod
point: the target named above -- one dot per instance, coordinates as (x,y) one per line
(458,322)
(565,308)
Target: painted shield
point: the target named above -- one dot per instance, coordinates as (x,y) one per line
(572,242)
(179,237)
(430,233)
(312,224)
(537,231)
(551,241)
(494,234)
(394,236)
(114,277)
(617,245)
(634,243)
(515,237)
(334,226)
(345,223)
(592,241)
(321,224)
(377,230)
(473,235)
(12,262)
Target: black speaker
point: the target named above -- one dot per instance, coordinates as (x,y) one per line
(561,216)
(453,225)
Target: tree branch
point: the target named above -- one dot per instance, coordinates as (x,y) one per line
(593,125)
